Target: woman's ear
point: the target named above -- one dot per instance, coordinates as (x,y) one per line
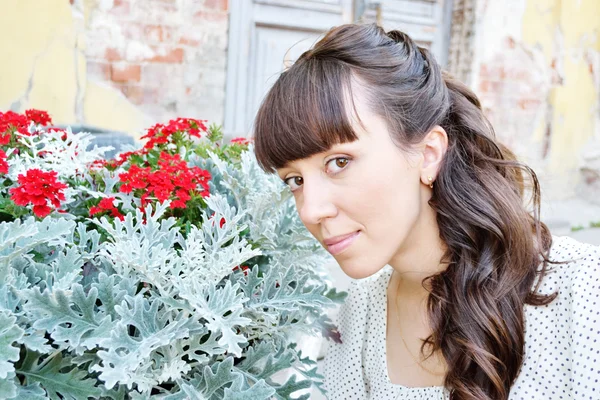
(433,148)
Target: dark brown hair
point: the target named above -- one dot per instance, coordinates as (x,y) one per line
(496,246)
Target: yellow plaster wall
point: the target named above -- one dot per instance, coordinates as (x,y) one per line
(42,43)
(568,33)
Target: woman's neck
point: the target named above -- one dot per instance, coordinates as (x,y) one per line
(419,257)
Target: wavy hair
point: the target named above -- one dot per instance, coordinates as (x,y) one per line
(486,202)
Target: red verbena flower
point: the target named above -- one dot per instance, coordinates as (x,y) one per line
(222,221)
(38,117)
(241,140)
(10,122)
(173,180)
(97,165)
(63,137)
(107,205)
(3,163)
(38,188)
(245,269)
(161,134)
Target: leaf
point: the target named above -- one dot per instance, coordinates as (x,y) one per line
(221,308)
(69,318)
(32,392)
(9,334)
(255,355)
(219,375)
(35,340)
(259,391)
(127,358)
(291,386)
(191,392)
(66,269)
(286,290)
(74,384)
(111,293)
(8,387)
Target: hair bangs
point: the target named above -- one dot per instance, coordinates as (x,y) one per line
(304,113)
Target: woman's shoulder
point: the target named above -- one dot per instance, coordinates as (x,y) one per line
(574,266)
(563,334)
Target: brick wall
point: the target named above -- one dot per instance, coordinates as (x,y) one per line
(168,57)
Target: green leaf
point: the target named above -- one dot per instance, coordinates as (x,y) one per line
(9,334)
(56,376)
(32,392)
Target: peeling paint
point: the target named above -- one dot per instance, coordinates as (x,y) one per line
(47,68)
(537,71)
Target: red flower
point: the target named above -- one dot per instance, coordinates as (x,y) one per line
(161,134)
(241,140)
(106,205)
(3,163)
(174,181)
(10,121)
(63,137)
(245,269)
(221,222)
(38,187)
(38,117)
(4,138)
(97,165)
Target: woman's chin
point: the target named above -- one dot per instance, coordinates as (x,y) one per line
(358,270)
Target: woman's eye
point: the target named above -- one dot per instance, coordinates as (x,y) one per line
(294,182)
(338,164)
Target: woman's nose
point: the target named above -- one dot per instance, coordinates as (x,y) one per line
(316,203)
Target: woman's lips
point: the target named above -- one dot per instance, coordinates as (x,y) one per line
(337,246)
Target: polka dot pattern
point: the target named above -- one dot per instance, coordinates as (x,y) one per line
(562,339)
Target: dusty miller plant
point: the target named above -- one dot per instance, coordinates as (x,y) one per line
(135,288)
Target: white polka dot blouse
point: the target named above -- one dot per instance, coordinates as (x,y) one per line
(562,339)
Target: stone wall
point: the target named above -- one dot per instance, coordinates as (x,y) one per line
(115,64)
(536,66)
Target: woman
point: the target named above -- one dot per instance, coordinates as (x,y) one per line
(461,291)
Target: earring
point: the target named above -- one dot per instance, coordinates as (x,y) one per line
(430,179)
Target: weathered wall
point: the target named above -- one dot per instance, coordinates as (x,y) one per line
(536,67)
(117,64)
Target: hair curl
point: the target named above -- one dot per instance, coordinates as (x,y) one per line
(496,246)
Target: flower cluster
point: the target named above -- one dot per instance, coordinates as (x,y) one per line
(106,205)
(163,134)
(172,180)
(11,121)
(38,117)
(40,189)
(241,140)
(36,188)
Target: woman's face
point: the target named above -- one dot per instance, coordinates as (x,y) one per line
(362,200)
